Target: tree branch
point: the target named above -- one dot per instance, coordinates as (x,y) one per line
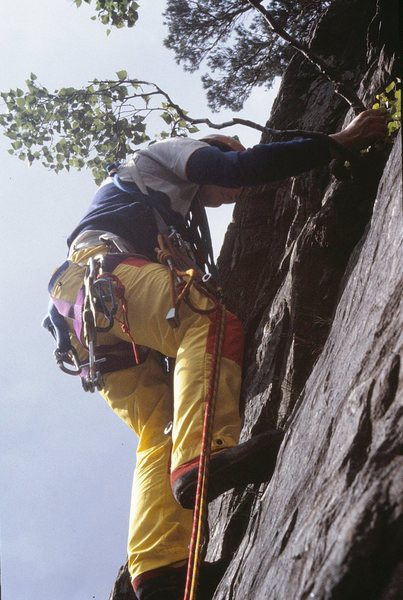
(341,88)
(234,121)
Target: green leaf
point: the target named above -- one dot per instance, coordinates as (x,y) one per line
(121,74)
(67,91)
(393,126)
(390,87)
(167,118)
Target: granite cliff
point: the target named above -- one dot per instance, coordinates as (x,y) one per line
(313,267)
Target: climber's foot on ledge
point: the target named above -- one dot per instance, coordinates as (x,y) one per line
(168,583)
(251,462)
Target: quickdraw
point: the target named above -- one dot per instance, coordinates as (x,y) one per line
(94,379)
(184,273)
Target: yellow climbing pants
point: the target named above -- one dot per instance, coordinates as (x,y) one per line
(147,398)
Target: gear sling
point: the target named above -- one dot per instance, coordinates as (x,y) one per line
(173,252)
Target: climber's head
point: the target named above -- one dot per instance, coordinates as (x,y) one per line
(214,196)
(223,142)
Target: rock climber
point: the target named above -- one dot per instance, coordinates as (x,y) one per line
(177,177)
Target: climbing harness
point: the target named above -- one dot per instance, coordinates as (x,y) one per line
(100,293)
(200,509)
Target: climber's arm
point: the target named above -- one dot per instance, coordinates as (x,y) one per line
(258,165)
(270,162)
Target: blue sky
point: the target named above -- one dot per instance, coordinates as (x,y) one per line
(66,461)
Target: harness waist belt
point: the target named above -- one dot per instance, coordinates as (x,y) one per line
(95,237)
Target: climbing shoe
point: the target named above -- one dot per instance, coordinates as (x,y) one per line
(250,462)
(168,583)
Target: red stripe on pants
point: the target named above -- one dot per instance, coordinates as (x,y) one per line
(135,261)
(233,340)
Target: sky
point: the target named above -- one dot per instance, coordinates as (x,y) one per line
(66,460)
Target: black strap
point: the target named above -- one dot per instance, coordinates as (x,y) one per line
(56,324)
(196,224)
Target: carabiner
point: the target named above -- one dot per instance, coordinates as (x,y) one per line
(69,357)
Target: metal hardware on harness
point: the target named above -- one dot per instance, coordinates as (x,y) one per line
(183,259)
(94,378)
(182,245)
(97,361)
(165,256)
(168,428)
(70,358)
(105,294)
(176,254)
(112,243)
(173,317)
(117,244)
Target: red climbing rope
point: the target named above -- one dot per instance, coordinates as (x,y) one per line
(200,509)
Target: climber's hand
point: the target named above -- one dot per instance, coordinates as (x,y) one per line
(368,127)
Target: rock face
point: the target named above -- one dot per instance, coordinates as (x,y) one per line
(313,267)
(329,525)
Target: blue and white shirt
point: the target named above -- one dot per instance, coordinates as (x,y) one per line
(172,171)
